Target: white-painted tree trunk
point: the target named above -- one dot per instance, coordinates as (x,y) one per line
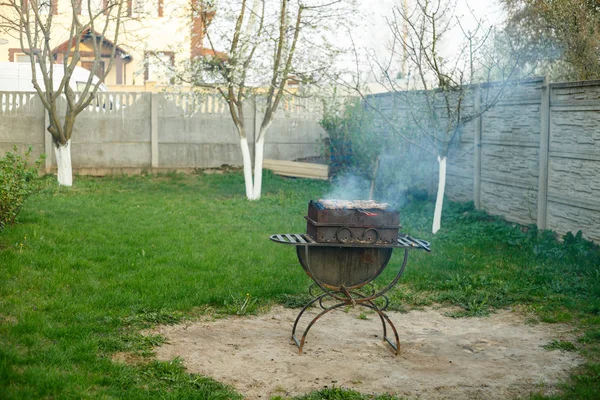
(247,163)
(258,167)
(439,202)
(63,161)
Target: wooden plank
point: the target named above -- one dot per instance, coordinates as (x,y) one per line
(297,169)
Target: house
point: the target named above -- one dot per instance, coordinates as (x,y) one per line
(153,34)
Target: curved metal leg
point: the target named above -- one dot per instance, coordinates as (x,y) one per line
(300,343)
(310,303)
(348,297)
(397,346)
(362,299)
(384,318)
(368,302)
(385,321)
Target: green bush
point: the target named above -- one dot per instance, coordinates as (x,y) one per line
(342,127)
(361,146)
(18,179)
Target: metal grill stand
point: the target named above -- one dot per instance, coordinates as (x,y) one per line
(339,270)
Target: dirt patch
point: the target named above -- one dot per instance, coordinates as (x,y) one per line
(497,357)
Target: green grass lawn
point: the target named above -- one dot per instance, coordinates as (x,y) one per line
(86,268)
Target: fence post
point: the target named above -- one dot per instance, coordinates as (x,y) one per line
(544,148)
(154,129)
(477,151)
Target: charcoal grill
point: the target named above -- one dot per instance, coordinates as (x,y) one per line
(347,246)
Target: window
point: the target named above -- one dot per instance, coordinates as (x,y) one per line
(16,54)
(158,66)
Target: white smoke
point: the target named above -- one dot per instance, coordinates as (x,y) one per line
(349,187)
(397,172)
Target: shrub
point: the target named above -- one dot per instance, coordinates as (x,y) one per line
(342,124)
(360,146)
(18,179)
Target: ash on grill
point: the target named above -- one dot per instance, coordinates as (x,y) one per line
(332,204)
(352,222)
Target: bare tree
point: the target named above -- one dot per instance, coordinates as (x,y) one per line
(35,25)
(448,81)
(253,48)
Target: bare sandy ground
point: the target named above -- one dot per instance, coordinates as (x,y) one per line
(497,357)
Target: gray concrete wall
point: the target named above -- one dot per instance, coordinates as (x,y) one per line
(573,200)
(509,155)
(294,133)
(416,167)
(133,132)
(21,123)
(197,132)
(460,165)
(534,157)
(113,137)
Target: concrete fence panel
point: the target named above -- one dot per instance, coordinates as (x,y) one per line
(196,132)
(574,159)
(21,123)
(534,157)
(295,131)
(510,155)
(133,132)
(113,134)
(460,165)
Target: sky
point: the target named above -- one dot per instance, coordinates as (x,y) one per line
(376,11)
(374,33)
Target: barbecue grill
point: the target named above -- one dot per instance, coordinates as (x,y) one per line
(347,245)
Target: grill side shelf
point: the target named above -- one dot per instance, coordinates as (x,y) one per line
(300,239)
(293,238)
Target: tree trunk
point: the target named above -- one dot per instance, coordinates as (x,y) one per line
(63,161)
(439,202)
(258,167)
(247,163)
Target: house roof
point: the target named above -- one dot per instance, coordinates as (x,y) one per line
(87,35)
(204,51)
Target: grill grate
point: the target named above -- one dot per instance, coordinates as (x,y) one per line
(405,242)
